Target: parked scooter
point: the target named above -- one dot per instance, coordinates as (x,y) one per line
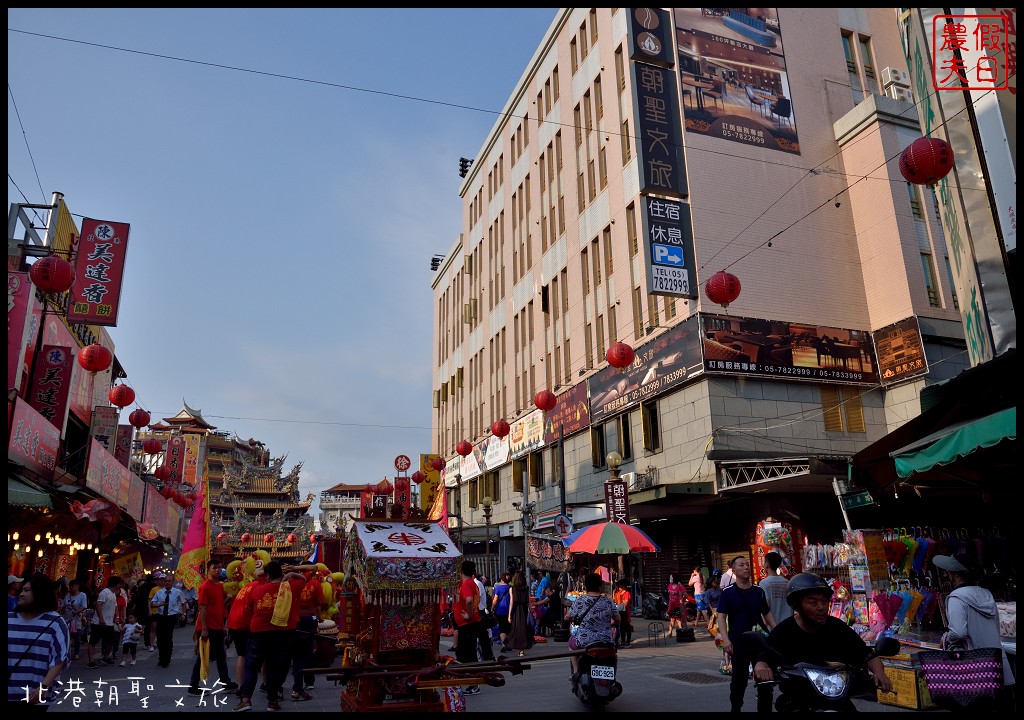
(594,682)
(805,687)
(654,607)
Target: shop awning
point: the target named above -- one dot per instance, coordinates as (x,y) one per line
(955,441)
(22,492)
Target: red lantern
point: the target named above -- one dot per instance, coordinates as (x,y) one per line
(221,537)
(166,492)
(268,538)
(314,538)
(620,355)
(418,477)
(292,538)
(545,400)
(246,537)
(463,448)
(95,358)
(162,473)
(926,161)
(437,463)
(500,428)
(139,418)
(52,274)
(151,446)
(121,395)
(722,288)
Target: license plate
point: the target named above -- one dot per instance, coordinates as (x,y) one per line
(602,672)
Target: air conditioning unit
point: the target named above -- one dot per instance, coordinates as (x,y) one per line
(629,477)
(903,94)
(467,264)
(895,76)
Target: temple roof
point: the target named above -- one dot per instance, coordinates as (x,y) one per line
(344,487)
(188,416)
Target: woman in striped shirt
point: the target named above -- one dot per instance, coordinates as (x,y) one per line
(37,644)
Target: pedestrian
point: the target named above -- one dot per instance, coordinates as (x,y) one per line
(210,628)
(595,617)
(623,601)
(102,630)
(37,644)
(120,617)
(700,599)
(743,606)
(13,591)
(775,587)
(239,618)
(552,610)
(150,639)
(75,605)
(974,623)
(275,614)
(676,603)
(500,603)
(167,604)
(310,603)
(130,637)
(520,634)
(728,577)
(486,652)
(466,612)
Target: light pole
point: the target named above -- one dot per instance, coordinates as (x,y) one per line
(458,505)
(487,503)
(614,460)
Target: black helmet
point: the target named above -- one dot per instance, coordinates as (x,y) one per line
(800,585)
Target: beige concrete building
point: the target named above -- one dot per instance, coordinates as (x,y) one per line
(791,127)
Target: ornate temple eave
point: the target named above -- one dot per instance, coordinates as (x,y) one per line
(260,505)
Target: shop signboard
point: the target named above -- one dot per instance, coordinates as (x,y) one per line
(658,365)
(650,35)
(659,133)
(156,511)
(34,440)
(526,434)
(616,501)
(51,384)
(104,425)
(900,350)
(99,270)
(107,476)
(136,495)
(67,566)
(123,444)
(175,458)
(430,485)
(20,296)
(789,351)
(497,452)
(472,465)
(570,415)
(402,494)
(190,469)
(856,500)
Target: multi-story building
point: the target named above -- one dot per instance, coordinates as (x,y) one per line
(641,152)
(336,503)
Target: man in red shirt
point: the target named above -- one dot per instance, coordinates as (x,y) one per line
(210,626)
(466,614)
(309,603)
(268,642)
(239,617)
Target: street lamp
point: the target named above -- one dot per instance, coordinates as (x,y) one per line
(614,461)
(487,503)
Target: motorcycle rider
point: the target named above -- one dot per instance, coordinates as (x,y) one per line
(596,615)
(811,635)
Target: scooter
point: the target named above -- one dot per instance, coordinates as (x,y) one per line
(805,687)
(594,682)
(654,607)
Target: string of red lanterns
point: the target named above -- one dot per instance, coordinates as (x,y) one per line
(162,473)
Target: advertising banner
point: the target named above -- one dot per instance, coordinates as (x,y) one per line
(20,294)
(129,567)
(67,566)
(661,364)
(136,496)
(659,149)
(472,465)
(156,510)
(900,350)
(34,440)
(191,467)
(732,69)
(51,385)
(790,351)
(104,425)
(123,444)
(497,452)
(107,476)
(572,413)
(548,553)
(99,269)
(526,434)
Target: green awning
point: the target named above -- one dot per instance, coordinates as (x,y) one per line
(21,493)
(955,441)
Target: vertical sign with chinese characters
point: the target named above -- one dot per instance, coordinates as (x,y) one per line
(668,247)
(971,51)
(616,501)
(99,269)
(650,36)
(176,458)
(52,384)
(429,487)
(19,297)
(34,441)
(190,472)
(656,116)
(104,425)
(366,502)
(123,445)
(402,495)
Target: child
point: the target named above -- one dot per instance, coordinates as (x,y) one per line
(130,640)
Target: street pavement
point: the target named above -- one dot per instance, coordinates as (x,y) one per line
(657,675)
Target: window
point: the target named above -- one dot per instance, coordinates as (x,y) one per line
(638,319)
(915,202)
(650,425)
(584,42)
(597,447)
(580,196)
(554,85)
(588,345)
(842,408)
(620,69)
(623,437)
(574,55)
(867,63)
(602,165)
(952,286)
(585,271)
(670,308)
(595,253)
(591,182)
(600,336)
(929,280)
(627,147)
(606,237)
(598,98)
(474,492)
(611,326)
(593,26)
(634,245)
(536,469)
(652,311)
(519,468)
(856,86)
(490,486)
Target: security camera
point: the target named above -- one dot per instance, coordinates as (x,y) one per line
(517,506)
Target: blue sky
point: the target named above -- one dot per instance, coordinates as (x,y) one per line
(281,230)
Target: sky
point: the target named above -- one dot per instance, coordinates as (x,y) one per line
(287,176)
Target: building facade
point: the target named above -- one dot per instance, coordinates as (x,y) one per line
(786,130)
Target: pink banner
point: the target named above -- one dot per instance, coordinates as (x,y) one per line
(34,440)
(52,384)
(175,458)
(107,476)
(156,510)
(99,269)
(123,445)
(19,296)
(136,493)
